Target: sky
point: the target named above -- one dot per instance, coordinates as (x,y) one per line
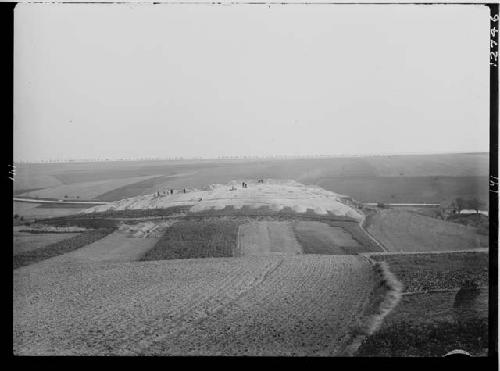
(134,81)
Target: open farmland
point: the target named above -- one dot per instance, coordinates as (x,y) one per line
(271,269)
(430,320)
(245,306)
(402,230)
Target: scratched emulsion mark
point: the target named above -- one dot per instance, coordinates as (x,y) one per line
(12,172)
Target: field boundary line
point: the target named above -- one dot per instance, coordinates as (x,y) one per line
(385,296)
(379,244)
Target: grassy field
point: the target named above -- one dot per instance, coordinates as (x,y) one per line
(402,230)
(59,247)
(196,239)
(429,321)
(425,178)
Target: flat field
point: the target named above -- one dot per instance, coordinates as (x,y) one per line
(402,230)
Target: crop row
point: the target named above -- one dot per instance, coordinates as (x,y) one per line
(60,247)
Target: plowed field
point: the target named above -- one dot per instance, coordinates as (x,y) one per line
(275,305)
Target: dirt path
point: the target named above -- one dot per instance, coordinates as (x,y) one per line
(280,305)
(268,237)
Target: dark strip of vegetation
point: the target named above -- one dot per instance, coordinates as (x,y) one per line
(60,247)
(404,339)
(423,272)
(136,213)
(283,214)
(62,205)
(35,231)
(84,222)
(190,239)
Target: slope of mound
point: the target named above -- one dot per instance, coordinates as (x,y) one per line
(251,305)
(274,194)
(400,230)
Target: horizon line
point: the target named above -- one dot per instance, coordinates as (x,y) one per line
(242,157)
